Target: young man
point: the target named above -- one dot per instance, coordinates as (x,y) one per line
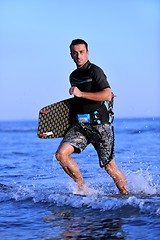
(90,89)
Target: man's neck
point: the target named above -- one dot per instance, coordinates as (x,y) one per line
(82,65)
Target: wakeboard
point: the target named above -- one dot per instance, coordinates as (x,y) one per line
(55,119)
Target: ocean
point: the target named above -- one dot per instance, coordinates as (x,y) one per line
(37,199)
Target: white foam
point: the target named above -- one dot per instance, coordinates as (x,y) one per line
(141,182)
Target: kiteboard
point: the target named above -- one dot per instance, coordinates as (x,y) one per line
(55,119)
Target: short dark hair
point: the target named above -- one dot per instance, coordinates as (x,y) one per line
(78,41)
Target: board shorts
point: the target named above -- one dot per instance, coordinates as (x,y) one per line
(100,136)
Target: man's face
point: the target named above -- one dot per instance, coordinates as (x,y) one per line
(79,54)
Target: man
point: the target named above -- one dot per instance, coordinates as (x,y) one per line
(90,89)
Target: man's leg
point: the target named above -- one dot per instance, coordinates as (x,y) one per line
(69,165)
(118,177)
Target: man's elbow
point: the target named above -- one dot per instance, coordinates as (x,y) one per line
(108,94)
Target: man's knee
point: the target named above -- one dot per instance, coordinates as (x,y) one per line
(60,156)
(63,153)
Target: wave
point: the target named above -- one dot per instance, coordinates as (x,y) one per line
(140,131)
(137,126)
(97,200)
(17,130)
(18,126)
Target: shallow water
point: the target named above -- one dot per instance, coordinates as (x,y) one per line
(37,198)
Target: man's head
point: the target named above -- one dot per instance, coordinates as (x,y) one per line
(79,52)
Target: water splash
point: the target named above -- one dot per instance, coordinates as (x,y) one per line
(141,182)
(104,196)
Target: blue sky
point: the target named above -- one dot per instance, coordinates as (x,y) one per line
(35,63)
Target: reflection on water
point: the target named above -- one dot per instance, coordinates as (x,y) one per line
(91,226)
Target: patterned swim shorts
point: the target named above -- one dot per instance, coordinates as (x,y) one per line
(100,136)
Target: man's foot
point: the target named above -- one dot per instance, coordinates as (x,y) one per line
(122,186)
(83,190)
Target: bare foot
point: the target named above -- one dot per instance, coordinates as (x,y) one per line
(122,186)
(83,190)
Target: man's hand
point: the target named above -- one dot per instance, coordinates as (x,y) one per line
(75,91)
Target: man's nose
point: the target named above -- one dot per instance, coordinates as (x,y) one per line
(78,55)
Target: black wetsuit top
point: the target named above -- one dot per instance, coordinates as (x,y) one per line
(89,78)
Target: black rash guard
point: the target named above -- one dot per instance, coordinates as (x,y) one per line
(89,78)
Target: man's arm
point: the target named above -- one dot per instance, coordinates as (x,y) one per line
(104,95)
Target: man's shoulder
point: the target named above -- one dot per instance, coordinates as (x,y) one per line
(96,69)
(73,72)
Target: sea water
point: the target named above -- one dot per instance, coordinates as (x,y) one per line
(37,199)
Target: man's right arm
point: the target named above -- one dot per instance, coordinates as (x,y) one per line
(103,95)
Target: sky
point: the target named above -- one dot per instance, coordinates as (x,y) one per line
(35,62)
